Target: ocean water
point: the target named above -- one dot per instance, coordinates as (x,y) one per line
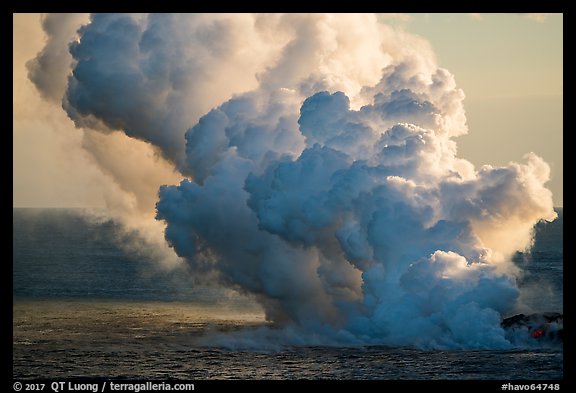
(84,307)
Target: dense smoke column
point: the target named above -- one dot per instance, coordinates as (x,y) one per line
(395,231)
(49,69)
(319,168)
(153,75)
(401,210)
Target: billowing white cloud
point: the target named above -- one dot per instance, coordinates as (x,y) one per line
(319,171)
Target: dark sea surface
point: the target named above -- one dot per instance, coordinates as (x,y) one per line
(84,307)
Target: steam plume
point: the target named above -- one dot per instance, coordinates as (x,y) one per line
(319,171)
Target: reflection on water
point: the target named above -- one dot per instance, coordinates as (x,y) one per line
(68,338)
(160,340)
(101,323)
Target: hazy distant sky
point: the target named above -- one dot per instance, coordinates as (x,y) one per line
(510,67)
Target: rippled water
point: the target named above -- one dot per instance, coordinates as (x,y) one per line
(83,308)
(164,340)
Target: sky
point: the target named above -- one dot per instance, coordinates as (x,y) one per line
(509,66)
